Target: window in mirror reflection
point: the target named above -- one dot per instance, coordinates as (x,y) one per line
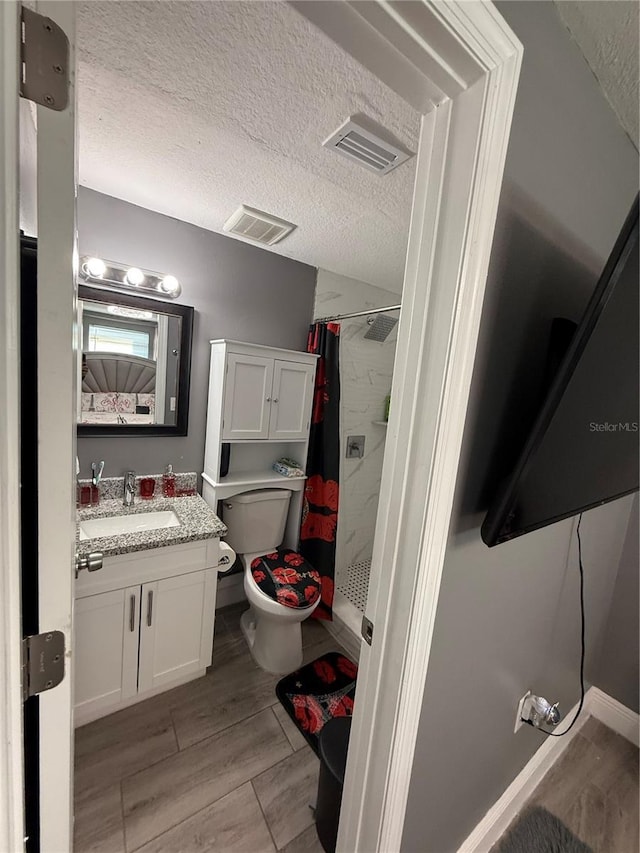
(130,365)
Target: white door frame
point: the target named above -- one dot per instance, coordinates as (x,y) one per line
(55,209)
(11,762)
(457,63)
(57,408)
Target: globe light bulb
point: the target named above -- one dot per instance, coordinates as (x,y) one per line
(170,284)
(96,267)
(134,276)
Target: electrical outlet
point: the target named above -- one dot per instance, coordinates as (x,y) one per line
(519,722)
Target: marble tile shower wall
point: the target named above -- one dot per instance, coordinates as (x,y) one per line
(366,372)
(366,369)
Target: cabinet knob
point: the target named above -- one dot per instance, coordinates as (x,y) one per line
(268,399)
(275,399)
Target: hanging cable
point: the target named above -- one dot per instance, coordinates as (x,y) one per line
(582,644)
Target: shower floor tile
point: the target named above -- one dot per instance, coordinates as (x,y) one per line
(354,583)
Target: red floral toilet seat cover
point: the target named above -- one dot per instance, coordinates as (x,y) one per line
(286,577)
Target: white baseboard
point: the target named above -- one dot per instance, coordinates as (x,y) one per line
(343,635)
(496,821)
(615,715)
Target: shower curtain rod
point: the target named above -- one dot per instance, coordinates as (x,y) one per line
(359,314)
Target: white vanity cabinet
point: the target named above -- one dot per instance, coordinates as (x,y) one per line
(106,651)
(134,641)
(173,642)
(266,397)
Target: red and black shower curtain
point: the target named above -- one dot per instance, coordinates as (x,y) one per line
(320,512)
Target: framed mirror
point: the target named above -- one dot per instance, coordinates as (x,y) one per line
(135,364)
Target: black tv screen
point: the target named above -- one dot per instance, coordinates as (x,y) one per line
(583,448)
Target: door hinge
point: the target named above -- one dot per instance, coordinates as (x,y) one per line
(44,61)
(42,662)
(367,630)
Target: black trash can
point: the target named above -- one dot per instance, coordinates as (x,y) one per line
(332,745)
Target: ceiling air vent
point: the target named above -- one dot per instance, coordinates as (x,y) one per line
(258,226)
(357,143)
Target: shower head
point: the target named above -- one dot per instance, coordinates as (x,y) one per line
(380,327)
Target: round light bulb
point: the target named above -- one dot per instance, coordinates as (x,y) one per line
(96,267)
(170,284)
(134,276)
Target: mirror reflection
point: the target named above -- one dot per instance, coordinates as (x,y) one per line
(131,363)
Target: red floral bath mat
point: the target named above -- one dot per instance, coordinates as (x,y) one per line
(318,692)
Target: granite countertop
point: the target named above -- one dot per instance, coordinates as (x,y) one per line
(197,522)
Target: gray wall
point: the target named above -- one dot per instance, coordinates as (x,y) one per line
(508,617)
(238,291)
(618,666)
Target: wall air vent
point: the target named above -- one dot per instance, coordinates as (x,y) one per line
(258,226)
(356,142)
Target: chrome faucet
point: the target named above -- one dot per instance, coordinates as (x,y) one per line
(129,488)
(96,472)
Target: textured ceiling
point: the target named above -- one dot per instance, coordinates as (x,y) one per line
(607,33)
(190,109)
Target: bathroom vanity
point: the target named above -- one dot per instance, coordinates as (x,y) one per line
(143,622)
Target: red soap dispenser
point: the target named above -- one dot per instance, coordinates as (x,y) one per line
(169,482)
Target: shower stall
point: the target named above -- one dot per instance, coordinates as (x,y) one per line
(367,354)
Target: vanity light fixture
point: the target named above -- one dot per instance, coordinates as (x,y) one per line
(115,276)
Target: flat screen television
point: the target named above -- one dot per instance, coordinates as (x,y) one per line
(583,448)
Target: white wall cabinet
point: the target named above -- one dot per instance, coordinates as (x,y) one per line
(259,410)
(292,396)
(247,398)
(136,641)
(266,397)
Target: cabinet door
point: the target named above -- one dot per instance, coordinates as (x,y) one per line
(247,397)
(176,630)
(105,651)
(291,405)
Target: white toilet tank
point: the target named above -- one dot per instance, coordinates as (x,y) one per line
(256,520)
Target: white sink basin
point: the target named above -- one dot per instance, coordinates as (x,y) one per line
(134,523)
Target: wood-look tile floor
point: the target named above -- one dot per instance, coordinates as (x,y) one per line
(213,765)
(593,790)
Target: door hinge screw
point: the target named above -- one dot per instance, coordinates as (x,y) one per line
(44,57)
(42,662)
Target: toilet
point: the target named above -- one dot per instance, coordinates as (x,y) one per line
(282,588)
